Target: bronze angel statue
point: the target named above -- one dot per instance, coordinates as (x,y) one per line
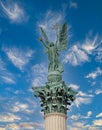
(53,48)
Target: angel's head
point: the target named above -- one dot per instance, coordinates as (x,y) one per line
(51,44)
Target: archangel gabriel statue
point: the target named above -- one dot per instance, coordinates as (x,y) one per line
(53,48)
(55,95)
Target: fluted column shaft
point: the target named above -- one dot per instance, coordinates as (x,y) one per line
(55,121)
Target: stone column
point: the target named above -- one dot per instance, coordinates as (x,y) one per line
(55,121)
(56,98)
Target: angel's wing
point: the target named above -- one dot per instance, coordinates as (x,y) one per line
(45,41)
(62,43)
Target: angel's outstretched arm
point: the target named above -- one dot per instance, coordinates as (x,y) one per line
(45,41)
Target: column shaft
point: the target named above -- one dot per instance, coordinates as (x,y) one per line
(55,121)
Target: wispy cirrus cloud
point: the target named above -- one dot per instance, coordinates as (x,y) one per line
(94,47)
(99,55)
(2,65)
(18,57)
(8,79)
(81,117)
(94,74)
(99,115)
(74,86)
(80,52)
(98,91)
(76,56)
(19,107)
(90,44)
(79,125)
(73,4)
(9,117)
(75,117)
(22,107)
(83,98)
(13,11)
(5,75)
(25,126)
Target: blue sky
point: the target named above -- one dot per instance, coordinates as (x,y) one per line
(23,63)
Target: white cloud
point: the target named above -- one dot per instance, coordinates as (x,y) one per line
(14,12)
(93,46)
(74,86)
(82,126)
(39,73)
(9,79)
(80,93)
(90,45)
(13,126)
(77,126)
(25,107)
(83,98)
(99,115)
(2,65)
(75,117)
(94,74)
(50,19)
(81,117)
(25,126)
(73,5)
(81,51)
(9,117)
(93,83)
(98,91)
(5,75)
(97,122)
(89,113)
(19,107)
(76,56)
(18,57)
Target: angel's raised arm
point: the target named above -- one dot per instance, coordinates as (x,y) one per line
(45,41)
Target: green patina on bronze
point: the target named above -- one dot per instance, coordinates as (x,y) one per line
(55,95)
